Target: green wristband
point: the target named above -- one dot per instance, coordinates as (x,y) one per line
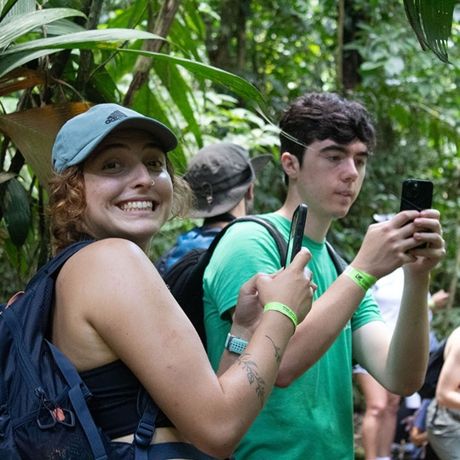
(362,279)
(284,309)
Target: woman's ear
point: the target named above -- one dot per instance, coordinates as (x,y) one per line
(290,165)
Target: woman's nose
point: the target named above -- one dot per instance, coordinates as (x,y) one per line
(142,176)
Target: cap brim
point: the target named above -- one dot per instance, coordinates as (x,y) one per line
(259,162)
(222,202)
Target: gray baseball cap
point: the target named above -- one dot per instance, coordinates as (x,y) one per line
(80,135)
(219,175)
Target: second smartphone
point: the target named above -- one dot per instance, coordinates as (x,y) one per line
(416,194)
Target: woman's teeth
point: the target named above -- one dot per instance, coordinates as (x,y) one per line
(137,206)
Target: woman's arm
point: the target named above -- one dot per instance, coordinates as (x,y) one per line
(123,298)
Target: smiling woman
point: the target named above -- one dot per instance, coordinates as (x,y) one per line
(114,317)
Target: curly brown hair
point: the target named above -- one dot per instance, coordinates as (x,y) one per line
(67,204)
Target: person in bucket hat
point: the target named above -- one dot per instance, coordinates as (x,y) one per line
(221,177)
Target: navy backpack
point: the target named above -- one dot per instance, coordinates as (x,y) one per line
(43,401)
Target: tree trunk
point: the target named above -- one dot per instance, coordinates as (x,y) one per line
(143,64)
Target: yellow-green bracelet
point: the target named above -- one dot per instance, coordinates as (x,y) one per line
(284,309)
(362,279)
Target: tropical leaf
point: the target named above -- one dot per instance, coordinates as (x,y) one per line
(33,132)
(432,24)
(88,39)
(238,85)
(6,176)
(11,30)
(179,91)
(12,62)
(5,7)
(21,79)
(16,211)
(146,102)
(18,55)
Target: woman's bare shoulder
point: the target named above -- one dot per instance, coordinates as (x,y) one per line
(105,264)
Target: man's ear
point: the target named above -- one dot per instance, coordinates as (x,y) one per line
(290,165)
(250,192)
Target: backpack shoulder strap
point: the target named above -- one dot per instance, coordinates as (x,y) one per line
(339,262)
(272,230)
(54,265)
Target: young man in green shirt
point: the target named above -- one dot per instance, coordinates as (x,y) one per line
(325,145)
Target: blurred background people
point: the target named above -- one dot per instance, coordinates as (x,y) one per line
(222,178)
(443,414)
(380,420)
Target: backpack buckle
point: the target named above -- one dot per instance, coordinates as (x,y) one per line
(47,418)
(143,434)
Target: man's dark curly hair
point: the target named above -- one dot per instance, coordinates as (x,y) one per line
(319,116)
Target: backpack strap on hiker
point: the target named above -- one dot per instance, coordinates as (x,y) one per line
(272,230)
(144,431)
(77,397)
(55,264)
(339,262)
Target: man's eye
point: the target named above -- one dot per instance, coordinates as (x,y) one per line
(334,158)
(360,162)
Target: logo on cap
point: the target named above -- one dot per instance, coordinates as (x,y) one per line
(114,116)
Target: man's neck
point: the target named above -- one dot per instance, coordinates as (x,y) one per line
(316,227)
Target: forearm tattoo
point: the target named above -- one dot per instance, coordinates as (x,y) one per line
(253,376)
(276,349)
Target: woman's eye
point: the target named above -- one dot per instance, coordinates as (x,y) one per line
(155,165)
(112,164)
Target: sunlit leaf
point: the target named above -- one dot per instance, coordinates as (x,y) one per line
(10,29)
(19,55)
(84,39)
(5,7)
(5,176)
(33,132)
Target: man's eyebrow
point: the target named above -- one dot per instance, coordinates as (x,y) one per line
(341,148)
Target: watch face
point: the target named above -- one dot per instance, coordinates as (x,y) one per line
(235,344)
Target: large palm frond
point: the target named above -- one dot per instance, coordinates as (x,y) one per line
(432,23)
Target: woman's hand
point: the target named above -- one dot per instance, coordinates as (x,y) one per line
(291,286)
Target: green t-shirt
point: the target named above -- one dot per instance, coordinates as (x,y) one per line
(313,417)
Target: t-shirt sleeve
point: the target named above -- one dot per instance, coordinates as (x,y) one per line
(245,250)
(367,312)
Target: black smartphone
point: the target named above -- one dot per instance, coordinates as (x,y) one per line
(416,194)
(296,233)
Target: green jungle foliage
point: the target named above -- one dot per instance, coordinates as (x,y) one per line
(224,70)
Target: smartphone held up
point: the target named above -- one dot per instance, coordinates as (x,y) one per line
(416,194)
(296,233)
